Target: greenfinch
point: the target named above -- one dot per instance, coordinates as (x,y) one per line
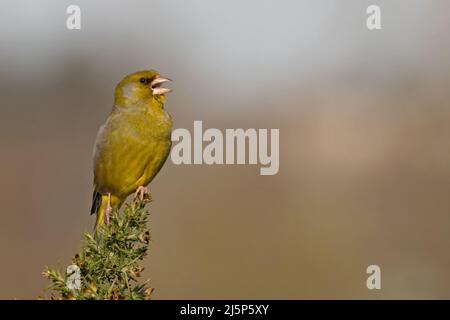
(133,144)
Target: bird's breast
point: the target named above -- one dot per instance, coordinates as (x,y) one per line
(131,149)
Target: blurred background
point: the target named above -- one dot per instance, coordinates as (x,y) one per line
(364,121)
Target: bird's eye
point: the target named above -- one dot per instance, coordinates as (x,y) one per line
(144,80)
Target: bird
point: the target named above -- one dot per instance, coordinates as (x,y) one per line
(133,144)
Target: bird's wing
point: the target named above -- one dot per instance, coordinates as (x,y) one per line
(122,152)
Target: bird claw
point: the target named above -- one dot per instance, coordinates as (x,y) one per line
(143,194)
(108,215)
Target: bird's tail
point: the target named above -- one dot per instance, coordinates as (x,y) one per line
(99,206)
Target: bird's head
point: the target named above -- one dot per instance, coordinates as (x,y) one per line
(141,87)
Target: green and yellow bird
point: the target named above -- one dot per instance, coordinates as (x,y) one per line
(133,144)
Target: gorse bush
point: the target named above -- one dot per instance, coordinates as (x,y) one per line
(108,264)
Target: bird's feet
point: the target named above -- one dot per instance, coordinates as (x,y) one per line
(143,193)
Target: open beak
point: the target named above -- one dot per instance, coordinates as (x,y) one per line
(156,85)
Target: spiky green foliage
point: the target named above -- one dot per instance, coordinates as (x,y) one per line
(109,260)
